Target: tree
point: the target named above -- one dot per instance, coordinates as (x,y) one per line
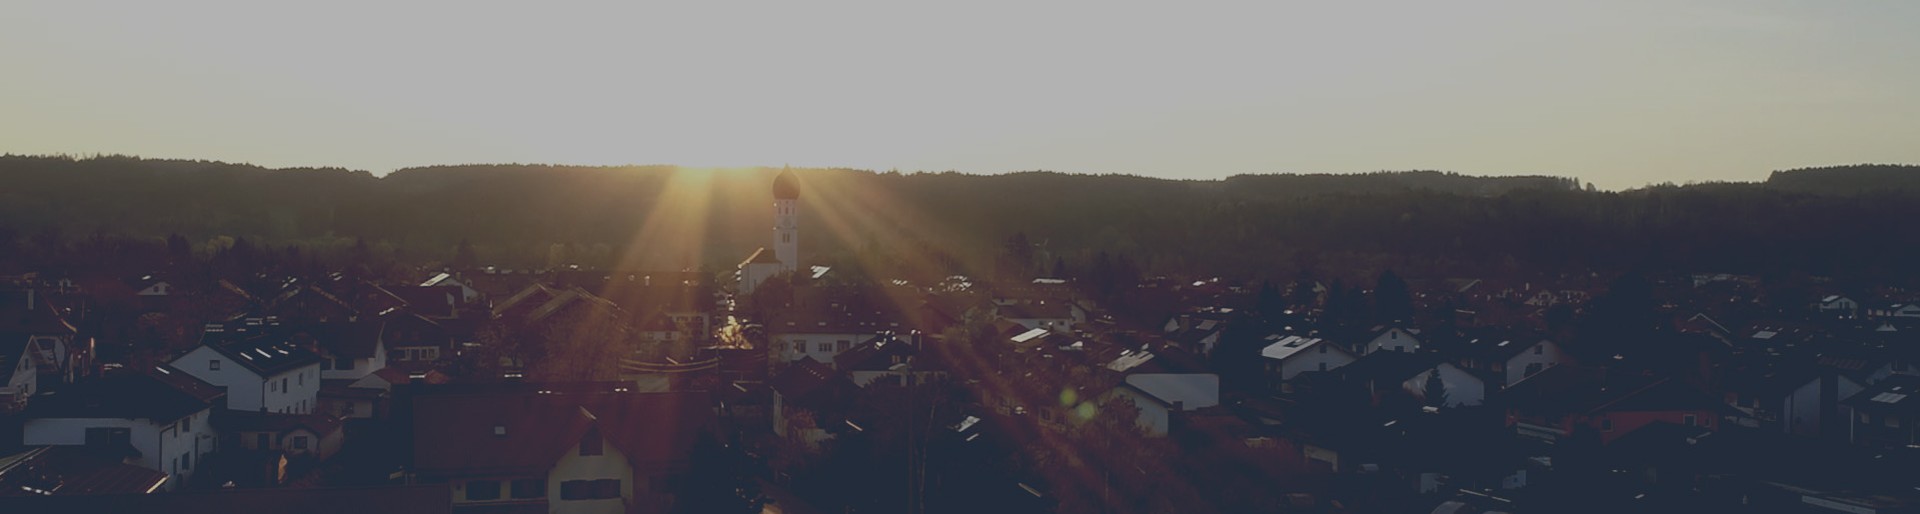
(1391,300)
(1435,390)
(464,258)
(713,481)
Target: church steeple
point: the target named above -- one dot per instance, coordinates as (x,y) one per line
(786,220)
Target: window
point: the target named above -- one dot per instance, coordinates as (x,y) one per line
(1323,366)
(343,364)
(780,346)
(1533,368)
(1893,422)
(1690,420)
(606,488)
(592,444)
(303,378)
(213,365)
(1538,348)
(529,488)
(842,345)
(481,490)
(825,347)
(262,442)
(1606,425)
(590,489)
(300,443)
(1323,348)
(186,461)
(186,424)
(273,386)
(283,383)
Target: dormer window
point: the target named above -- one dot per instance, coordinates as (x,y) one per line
(499,430)
(213,365)
(591,444)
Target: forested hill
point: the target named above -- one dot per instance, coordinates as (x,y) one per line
(1862,178)
(1422,223)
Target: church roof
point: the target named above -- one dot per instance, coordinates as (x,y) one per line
(785,187)
(760,256)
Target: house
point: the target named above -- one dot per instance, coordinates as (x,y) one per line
(53,347)
(1387,337)
(468,295)
(318,436)
(823,324)
(1792,397)
(1387,376)
(556,450)
(157,418)
(259,368)
(434,302)
(1838,305)
(890,357)
(1162,384)
(1055,316)
(1566,401)
(1886,415)
(349,351)
(18,372)
(1895,310)
(150,286)
(72,470)
(808,396)
(413,341)
(1509,358)
(1288,356)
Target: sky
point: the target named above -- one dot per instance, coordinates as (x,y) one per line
(1619,93)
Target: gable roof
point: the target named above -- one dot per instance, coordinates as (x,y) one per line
(1285,347)
(1896,394)
(161,393)
(521,431)
(266,351)
(73,470)
(760,256)
(12,346)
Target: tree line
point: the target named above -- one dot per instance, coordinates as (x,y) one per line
(1839,221)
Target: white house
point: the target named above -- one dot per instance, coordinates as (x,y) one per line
(1288,356)
(260,371)
(18,372)
(158,418)
(1516,359)
(1390,338)
(1838,305)
(1162,382)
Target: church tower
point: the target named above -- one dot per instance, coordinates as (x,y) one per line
(786,220)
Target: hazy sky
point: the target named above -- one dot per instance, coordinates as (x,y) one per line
(1618,92)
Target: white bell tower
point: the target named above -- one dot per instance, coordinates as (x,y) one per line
(786,220)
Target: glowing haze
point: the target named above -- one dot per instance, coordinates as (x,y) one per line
(1618,92)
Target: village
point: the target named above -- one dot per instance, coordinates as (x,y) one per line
(780,386)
